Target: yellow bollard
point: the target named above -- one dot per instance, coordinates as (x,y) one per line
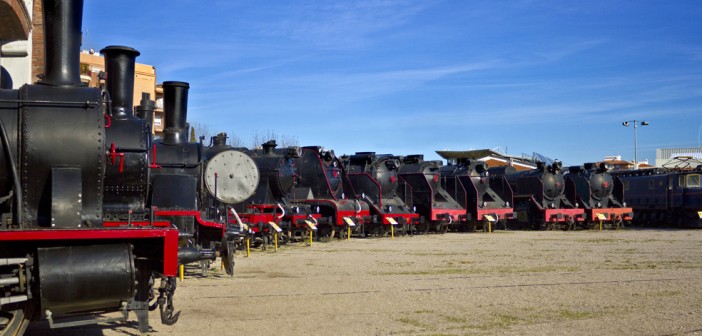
(248,247)
(392,231)
(310,237)
(181,271)
(600,225)
(490,226)
(275,241)
(348,232)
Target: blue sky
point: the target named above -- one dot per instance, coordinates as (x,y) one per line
(406,77)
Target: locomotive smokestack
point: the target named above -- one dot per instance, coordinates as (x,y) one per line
(219,140)
(119,64)
(175,106)
(146,107)
(269,147)
(62,22)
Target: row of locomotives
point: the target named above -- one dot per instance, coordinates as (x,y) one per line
(592,188)
(76,238)
(176,167)
(273,218)
(664,197)
(374,180)
(487,198)
(539,198)
(323,185)
(437,209)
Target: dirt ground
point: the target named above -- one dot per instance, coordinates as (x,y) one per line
(633,282)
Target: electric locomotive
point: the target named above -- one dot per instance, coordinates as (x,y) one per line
(374,181)
(75,241)
(664,197)
(323,185)
(594,189)
(437,209)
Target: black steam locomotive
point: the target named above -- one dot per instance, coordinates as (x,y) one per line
(374,181)
(437,209)
(487,198)
(594,189)
(78,236)
(323,185)
(269,210)
(184,175)
(539,197)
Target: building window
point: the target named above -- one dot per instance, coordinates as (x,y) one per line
(681,181)
(693,181)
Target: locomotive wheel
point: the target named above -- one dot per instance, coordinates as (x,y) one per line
(15,321)
(444,228)
(228,249)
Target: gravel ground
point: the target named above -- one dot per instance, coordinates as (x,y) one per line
(635,282)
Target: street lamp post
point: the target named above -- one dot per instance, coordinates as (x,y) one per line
(636,125)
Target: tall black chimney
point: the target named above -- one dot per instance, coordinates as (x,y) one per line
(119,64)
(175,106)
(62,23)
(146,107)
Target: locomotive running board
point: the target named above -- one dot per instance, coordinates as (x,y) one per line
(70,322)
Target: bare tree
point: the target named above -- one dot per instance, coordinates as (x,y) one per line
(283,140)
(235,140)
(200,130)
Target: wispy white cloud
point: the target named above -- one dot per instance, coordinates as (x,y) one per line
(342,24)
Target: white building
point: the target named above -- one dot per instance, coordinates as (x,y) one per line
(665,155)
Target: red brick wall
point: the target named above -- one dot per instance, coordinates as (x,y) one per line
(37,40)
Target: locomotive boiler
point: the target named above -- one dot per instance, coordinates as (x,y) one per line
(594,189)
(76,237)
(374,180)
(322,184)
(437,209)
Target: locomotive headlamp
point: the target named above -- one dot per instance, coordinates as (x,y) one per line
(389,208)
(484,204)
(599,205)
(507,204)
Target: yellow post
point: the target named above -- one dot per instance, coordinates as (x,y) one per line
(275,241)
(310,237)
(181,272)
(600,225)
(392,231)
(248,247)
(348,232)
(490,226)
